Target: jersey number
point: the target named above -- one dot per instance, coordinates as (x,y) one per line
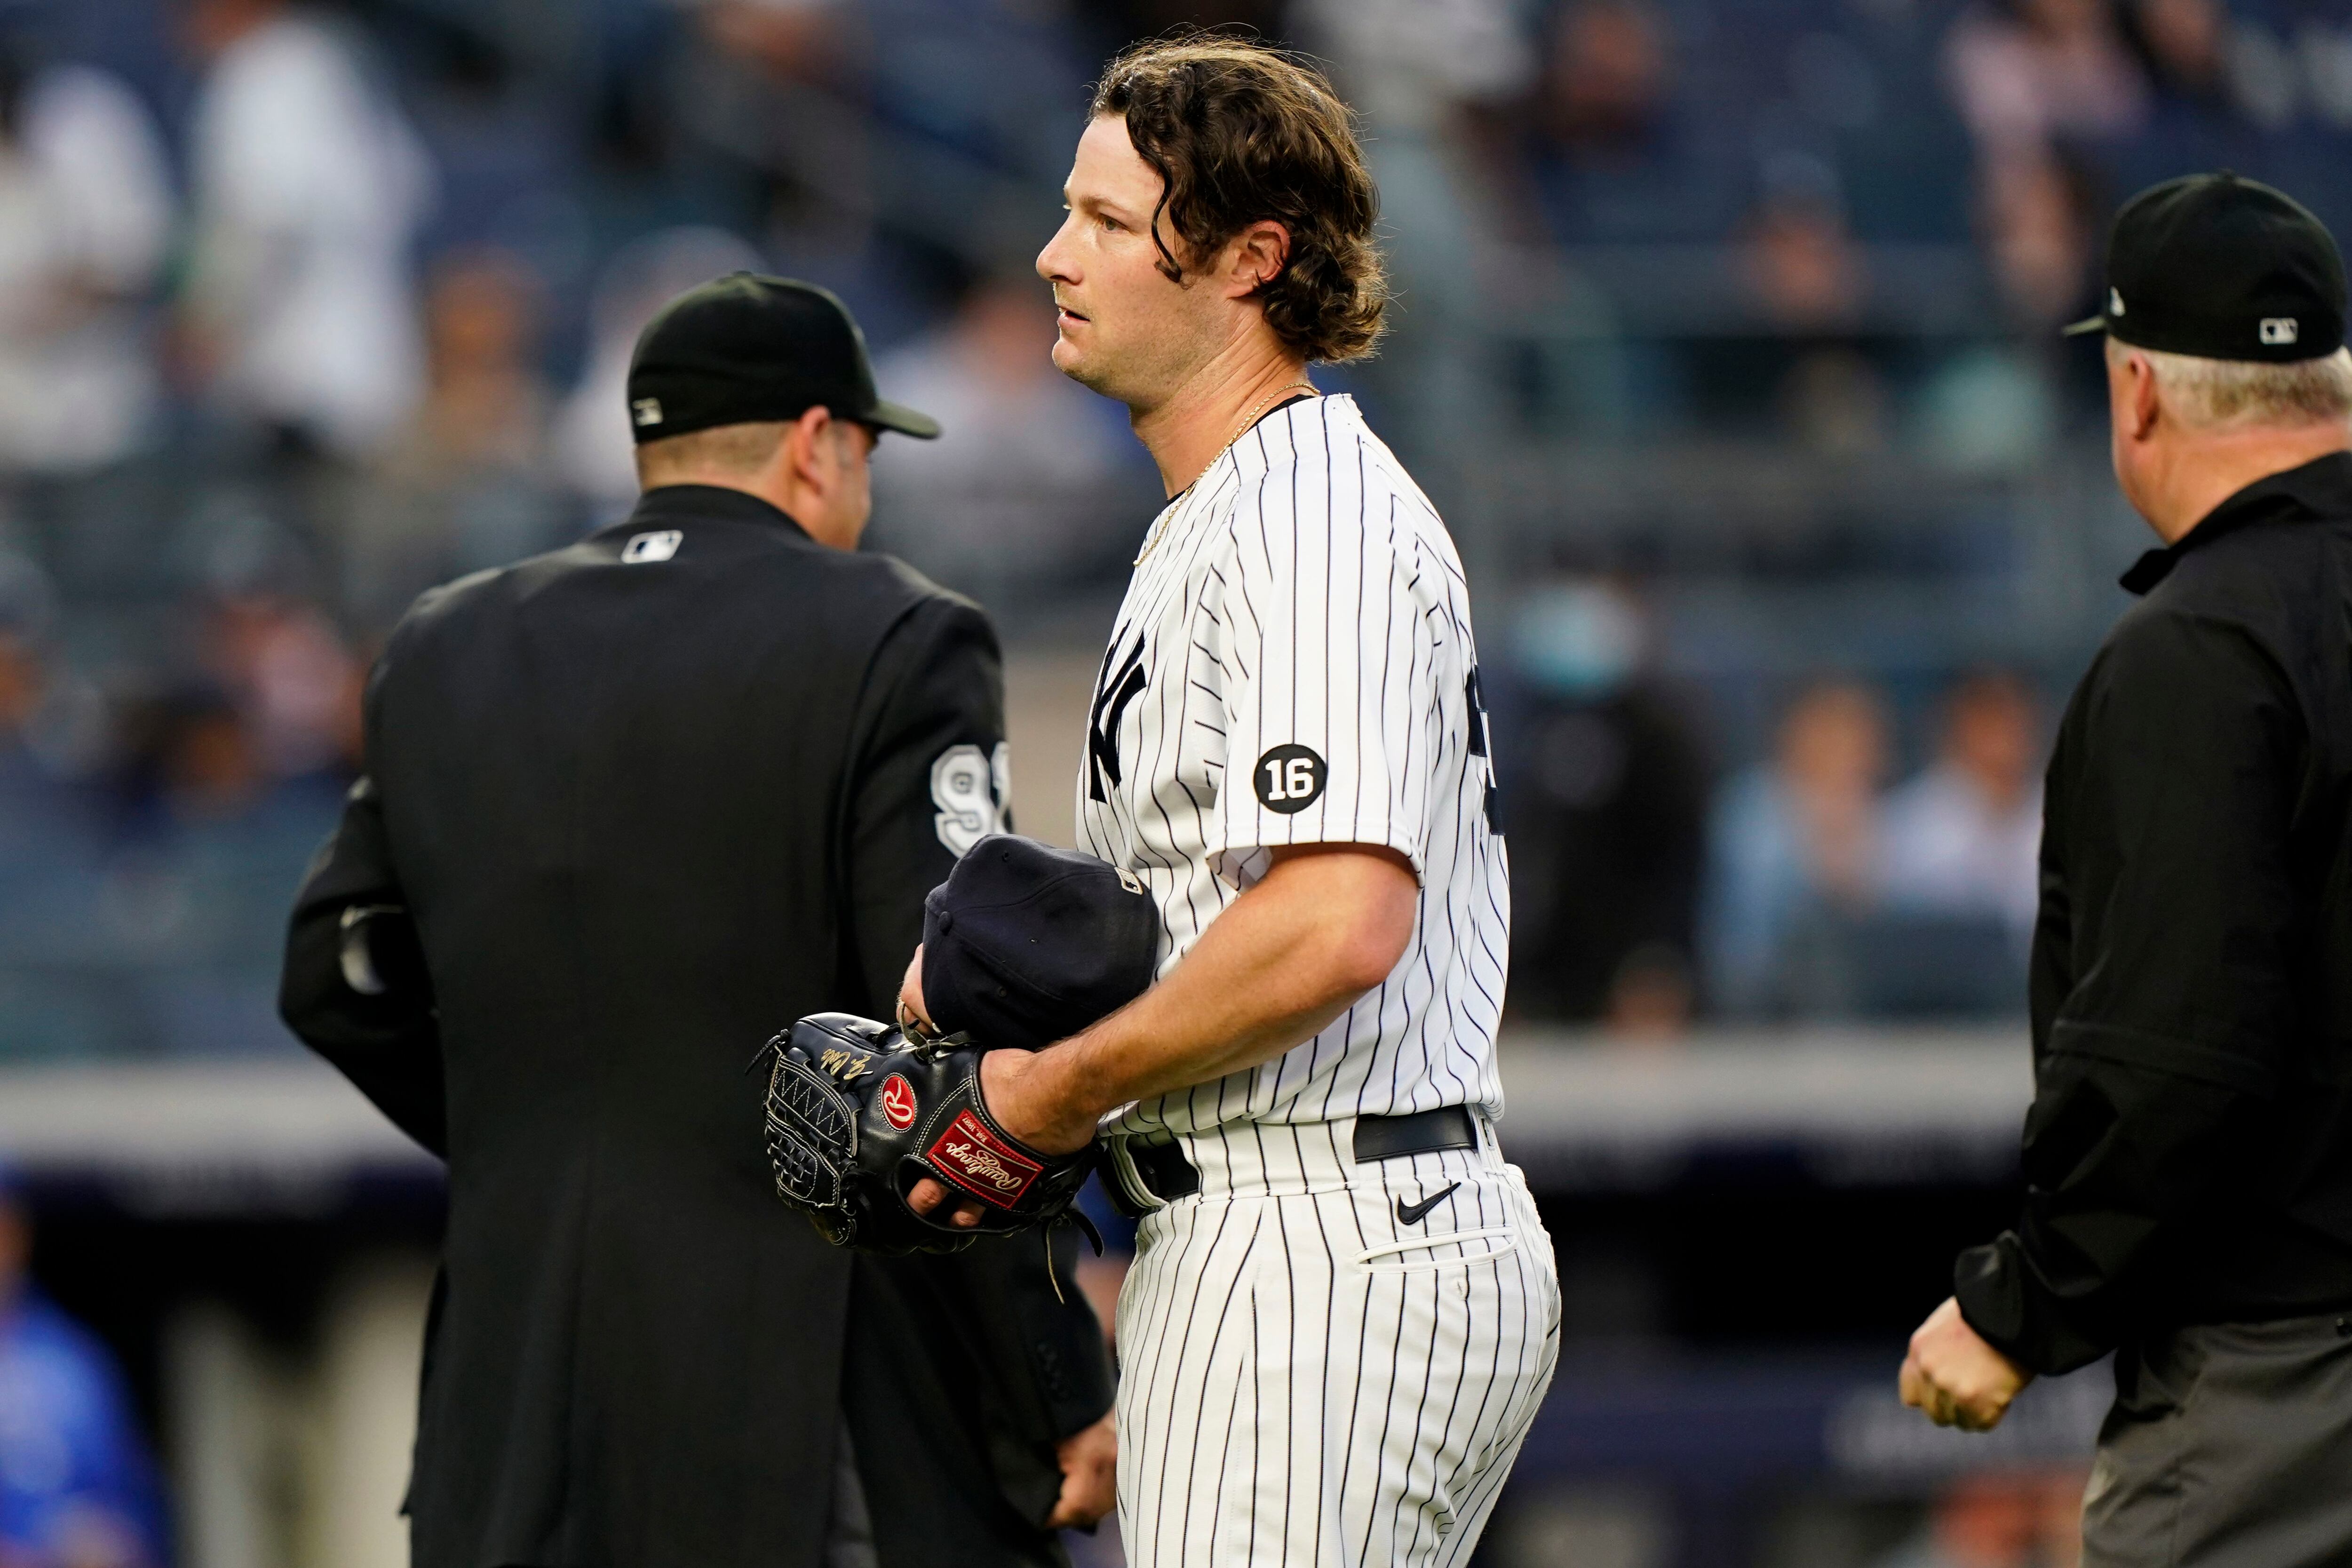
(973,793)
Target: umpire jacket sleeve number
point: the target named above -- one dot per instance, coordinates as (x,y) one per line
(924,787)
(2163,997)
(354,985)
(929,782)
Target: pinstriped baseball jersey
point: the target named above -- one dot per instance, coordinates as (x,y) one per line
(1293,664)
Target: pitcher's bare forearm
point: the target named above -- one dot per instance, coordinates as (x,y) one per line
(1326,924)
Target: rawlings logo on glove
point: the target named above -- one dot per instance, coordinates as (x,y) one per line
(858,1113)
(970,1155)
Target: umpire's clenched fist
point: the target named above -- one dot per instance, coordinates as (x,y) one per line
(1955,1377)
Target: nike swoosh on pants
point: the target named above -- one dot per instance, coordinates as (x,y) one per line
(1413,1214)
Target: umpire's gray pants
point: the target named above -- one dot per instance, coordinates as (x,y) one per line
(850,1533)
(2230,1445)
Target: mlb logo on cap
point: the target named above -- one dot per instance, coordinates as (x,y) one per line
(646,411)
(2278,330)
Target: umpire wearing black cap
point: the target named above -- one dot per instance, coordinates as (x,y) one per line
(628,808)
(2189,1154)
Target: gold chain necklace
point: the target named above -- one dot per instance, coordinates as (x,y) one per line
(1151,540)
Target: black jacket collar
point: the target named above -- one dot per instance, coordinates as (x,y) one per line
(2321,487)
(705,503)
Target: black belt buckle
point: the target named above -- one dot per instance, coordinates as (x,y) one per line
(1422,1132)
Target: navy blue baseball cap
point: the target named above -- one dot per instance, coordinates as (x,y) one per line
(1025,945)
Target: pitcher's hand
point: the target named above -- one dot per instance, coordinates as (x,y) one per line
(1007,1087)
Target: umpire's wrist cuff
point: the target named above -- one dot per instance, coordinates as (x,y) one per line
(2009,1309)
(1077,1382)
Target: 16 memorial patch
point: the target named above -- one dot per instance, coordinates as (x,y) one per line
(1289,779)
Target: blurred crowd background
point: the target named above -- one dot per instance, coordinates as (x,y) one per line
(1726,339)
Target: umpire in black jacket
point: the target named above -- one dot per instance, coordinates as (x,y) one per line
(2189,1155)
(630,808)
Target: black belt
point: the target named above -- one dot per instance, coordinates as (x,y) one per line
(1169,1175)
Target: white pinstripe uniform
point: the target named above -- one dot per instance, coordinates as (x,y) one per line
(1323,1363)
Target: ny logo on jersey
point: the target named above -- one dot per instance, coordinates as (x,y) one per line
(1112,694)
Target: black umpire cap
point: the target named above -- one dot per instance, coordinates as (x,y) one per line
(1025,945)
(2221,268)
(745,347)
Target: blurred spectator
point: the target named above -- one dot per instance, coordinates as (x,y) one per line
(2221,84)
(201,888)
(1964,837)
(1429,78)
(309,186)
(1833,402)
(84,210)
(794,39)
(1810,285)
(294,685)
(1652,995)
(776,86)
(1606,792)
(1995,408)
(1604,78)
(211,771)
(77,1487)
(2042,231)
(1807,274)
(2051,93)
(1620,159)
(1033,482)
(1999,1519)
(1791,840)
(2030,74)
(38,802)
(2199,55)
(1410,67)
(505,150)
(2061,1517)
(467,484)
(2182,42)
(592,440)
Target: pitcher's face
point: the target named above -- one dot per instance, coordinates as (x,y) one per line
(1127,329)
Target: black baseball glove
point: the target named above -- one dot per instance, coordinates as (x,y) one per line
(858,1112)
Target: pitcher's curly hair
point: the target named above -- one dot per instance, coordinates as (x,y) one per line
(1242,132)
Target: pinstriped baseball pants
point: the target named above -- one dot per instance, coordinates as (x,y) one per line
(1310,1377)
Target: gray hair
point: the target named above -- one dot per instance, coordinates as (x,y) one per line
(2238,394)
